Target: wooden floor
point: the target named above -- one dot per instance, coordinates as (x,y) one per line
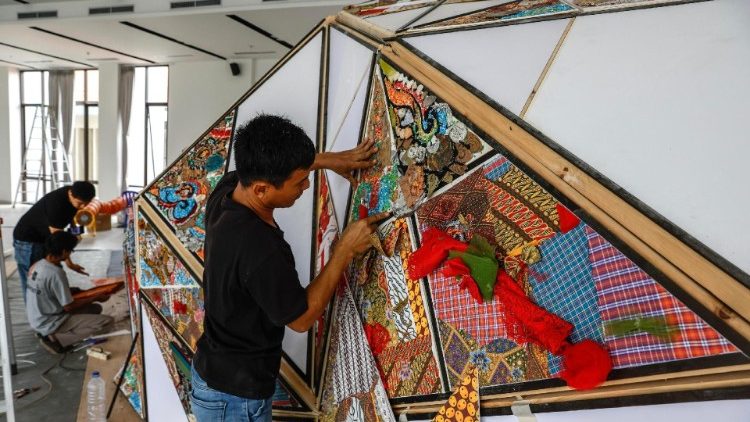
(122,412)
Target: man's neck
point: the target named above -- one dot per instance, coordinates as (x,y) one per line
(246,198)
(53,260)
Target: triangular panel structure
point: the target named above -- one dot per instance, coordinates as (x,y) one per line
(442,89)
(180,193)
(502,13)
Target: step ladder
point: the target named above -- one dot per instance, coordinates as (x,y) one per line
(45,160)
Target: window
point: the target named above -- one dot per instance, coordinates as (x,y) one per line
(85,125)
(34,102)
(147,135)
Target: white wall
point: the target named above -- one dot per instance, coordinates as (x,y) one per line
(10,132)
(199,92)
(109,160)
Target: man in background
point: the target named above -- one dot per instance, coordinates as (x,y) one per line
(54,212)
(59,320)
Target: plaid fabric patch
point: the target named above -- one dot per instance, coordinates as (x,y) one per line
(625,291)
(562,284)
(496,168)
(483,321)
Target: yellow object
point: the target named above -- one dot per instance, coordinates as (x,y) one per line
(463,404)
(98,353)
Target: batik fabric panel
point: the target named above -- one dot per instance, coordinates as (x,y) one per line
(180,194)
(183,308)
(352,388)
(132,383)
(392,309)
(505,12)
(158,263)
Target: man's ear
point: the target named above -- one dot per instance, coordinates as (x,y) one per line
(260,189)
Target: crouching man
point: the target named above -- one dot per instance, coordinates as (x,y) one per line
(59,320)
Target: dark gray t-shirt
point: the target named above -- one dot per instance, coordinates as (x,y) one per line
(48,292)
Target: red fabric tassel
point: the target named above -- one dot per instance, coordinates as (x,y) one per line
(585,365)
(567,220)
(435,246)
(539,326)
(456,268)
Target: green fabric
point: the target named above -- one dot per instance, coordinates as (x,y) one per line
(656,326)
(482,263)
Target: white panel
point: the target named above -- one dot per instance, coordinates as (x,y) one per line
(349,67)
(657,101)
(394,21)
(293,92)
(162,400)
(503,63)
(455,9)
(349,75)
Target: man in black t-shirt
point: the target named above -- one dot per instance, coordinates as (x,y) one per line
(250,284)
(54,212)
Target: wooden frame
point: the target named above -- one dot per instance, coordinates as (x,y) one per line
(699,280)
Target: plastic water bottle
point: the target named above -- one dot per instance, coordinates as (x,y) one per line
(96,398)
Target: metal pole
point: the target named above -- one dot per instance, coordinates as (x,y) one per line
(6,339)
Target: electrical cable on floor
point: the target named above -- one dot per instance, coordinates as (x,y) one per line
(47,381)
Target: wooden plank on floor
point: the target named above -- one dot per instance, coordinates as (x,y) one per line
(122,412)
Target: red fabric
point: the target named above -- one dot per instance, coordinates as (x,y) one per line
(180,308)
(456,268)
(538,325)
(362,211)
(567,220)
(585,365)
(435,246)
(377,337)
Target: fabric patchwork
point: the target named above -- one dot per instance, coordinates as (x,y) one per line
(409,368)
(183,308)
(624,291)
(567,288)
(159,265)
(352,371)
(180,194)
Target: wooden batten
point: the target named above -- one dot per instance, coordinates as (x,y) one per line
(363,26)
(725,296)
(296,383)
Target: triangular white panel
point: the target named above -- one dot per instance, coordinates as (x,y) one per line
(503,63)
(349,70)
(662,112)
(293,91)
(454,9)
(162,401)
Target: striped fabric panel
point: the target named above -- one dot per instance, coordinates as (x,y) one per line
(562,284)
(625,291)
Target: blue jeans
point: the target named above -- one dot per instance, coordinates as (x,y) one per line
(210,405)
(27,253)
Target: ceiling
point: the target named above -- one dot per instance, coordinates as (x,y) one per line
(235,30)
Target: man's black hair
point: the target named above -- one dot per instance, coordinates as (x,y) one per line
(59,242)
(269,148)
(84,191)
